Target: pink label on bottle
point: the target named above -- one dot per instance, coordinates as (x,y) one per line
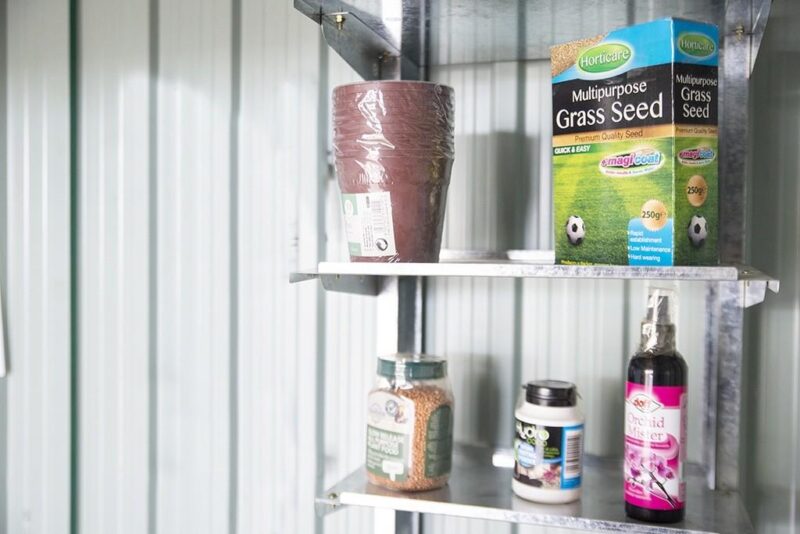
(655,446)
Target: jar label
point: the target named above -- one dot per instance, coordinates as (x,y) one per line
(368,224)
(655,446)
(439,443)
(548,457)
(390,426)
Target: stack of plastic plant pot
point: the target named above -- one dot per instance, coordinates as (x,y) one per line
(393,147)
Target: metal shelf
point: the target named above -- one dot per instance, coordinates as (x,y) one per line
(479,490)
(366,278)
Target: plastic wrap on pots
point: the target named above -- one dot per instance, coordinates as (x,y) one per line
(393,148)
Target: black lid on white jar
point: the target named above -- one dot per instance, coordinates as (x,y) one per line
(551,393)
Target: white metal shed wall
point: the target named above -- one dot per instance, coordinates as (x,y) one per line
(772,394)
(36,402)
(200,183)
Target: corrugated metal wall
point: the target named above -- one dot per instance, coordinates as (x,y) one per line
(282,67)
(350,343)
(114,302)
(772,393)
(195,193)
(36,404)
(202,180)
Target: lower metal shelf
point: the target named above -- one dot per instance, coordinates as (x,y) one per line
(479,490)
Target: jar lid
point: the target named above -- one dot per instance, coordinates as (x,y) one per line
(412,366)
(551,393)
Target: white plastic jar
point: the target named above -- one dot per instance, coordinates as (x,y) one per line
(548,443)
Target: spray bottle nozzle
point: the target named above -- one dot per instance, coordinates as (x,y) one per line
(659,306)
(658,330)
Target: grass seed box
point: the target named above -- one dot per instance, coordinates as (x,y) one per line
(635,146)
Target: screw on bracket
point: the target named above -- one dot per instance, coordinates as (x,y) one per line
(339,20)
(739,32)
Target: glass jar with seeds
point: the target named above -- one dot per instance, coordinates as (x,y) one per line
(410,423)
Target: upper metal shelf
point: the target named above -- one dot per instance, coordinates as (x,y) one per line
(366,278)
(480,490)
(402,39)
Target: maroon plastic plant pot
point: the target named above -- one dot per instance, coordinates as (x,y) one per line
(393,148)
(417,189)
(392,103)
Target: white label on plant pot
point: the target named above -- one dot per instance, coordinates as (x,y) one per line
(368,224)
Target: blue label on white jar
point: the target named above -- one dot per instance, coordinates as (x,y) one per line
(548,457)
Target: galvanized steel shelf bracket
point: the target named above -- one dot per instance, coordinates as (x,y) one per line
(379,44)
(756,284)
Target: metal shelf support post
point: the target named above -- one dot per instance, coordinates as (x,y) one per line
(723,384)
(400,327)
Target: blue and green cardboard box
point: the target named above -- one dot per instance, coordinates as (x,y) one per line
(635,179)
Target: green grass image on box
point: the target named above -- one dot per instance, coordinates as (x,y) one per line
(606,204)
(685,253)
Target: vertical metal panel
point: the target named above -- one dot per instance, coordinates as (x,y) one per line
(574,330)
(278,229)
(772,376)
(194,96)
(113,278)
(3,266)
(690,326)
(538,146)
(37,260)
(350,349)
(472,322)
